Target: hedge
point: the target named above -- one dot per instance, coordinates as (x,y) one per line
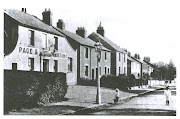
(122,82)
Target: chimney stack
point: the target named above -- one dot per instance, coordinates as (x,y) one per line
(100,30)
(47,17)
(81,32)
(60,24)
(137,56)
(129,53)
(147,59)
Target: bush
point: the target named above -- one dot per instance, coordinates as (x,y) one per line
(52,91)
(27,89)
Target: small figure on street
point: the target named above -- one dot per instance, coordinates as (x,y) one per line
(167,93)
(116,96)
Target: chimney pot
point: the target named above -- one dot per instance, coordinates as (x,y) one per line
(24,10)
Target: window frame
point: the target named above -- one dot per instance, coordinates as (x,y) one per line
(56,46)
(70,64)
(45,46)
(31,63)
(86,52)
(86,70)
(31,37)
(47,66)
(105,55)
(55,65)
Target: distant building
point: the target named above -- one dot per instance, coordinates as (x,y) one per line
(140,69)
(34,45)
(86,55)
(149,66)
(118,55)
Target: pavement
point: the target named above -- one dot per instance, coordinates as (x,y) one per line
(84,97)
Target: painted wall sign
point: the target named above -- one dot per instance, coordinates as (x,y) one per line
(28,50)
(54,54)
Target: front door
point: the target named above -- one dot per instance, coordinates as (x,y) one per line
(45,65)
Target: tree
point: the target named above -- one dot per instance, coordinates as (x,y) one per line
(171,75)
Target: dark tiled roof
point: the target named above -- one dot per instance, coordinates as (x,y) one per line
(79,39)
(129,58)
(150,64)
(138,60)
(105,41)
(30,21)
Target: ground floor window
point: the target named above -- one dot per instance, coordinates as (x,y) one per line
(31,64)
(69,64)
(86,70)
(96,73)
(92,74)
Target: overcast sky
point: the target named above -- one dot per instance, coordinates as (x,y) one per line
(148,27)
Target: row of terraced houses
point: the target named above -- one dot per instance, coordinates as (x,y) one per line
(32,44)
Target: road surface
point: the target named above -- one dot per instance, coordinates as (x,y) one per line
(153,104)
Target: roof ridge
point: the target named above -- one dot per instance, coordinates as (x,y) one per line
(24,19)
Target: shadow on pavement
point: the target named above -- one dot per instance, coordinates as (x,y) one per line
(48,110)
(128,112)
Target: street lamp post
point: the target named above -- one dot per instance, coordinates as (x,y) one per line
(98,47)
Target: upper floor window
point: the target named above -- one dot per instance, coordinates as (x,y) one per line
(119,56)
(100,71)
(86,52)
(124,57)
(105,55)
(56,43)
(31,64)
(44,41)
(69,64)
(31,37)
